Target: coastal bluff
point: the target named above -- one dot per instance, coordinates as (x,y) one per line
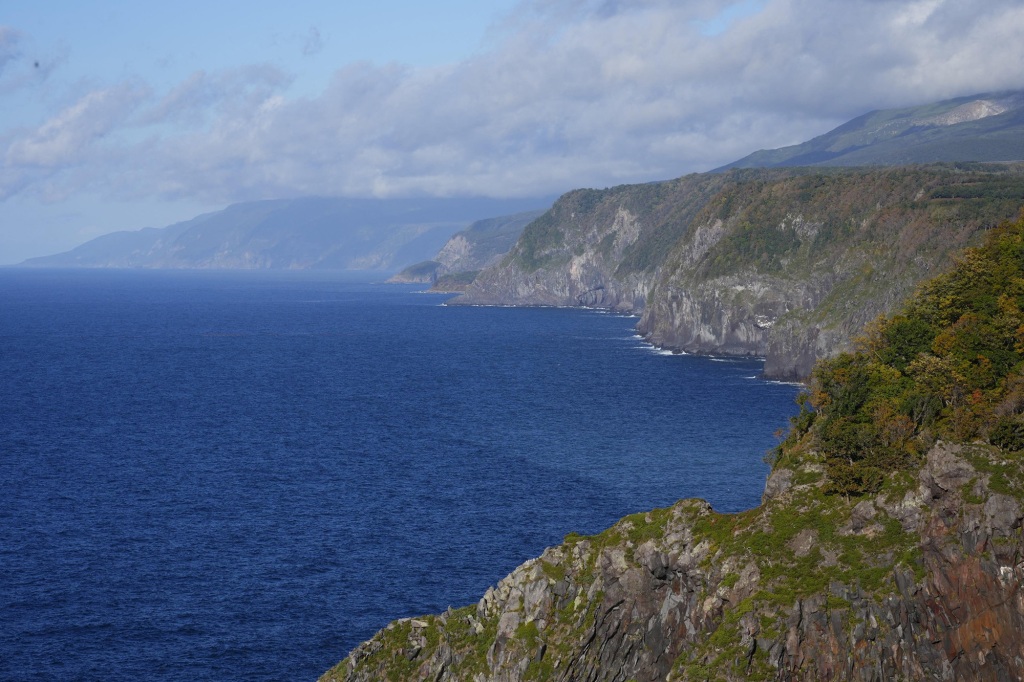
(788,264)
(888,544)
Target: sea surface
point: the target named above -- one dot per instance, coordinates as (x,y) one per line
(239,476)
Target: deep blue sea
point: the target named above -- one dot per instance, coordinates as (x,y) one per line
(238,476)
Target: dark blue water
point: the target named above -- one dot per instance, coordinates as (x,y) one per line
(237,476)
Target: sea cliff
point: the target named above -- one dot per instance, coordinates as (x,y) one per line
(468,251)
(789,264)
(888,544)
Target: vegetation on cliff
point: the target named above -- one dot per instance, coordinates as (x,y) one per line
(949,366)
(786,263)
(888,544)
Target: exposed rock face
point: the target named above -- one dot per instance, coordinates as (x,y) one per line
(807,587)
(731,315)
(480,245)
(456,251)
(583,272)
(596,248)
(789,264)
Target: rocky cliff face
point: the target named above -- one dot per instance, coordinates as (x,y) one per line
(595,248)
(787,264)
(922,585)
(888,545)
(795,267)
(468,251)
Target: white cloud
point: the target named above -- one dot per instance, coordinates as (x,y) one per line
(571,93)
(66,137)
(226,95)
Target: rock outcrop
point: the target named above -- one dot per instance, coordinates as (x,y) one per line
(596,248)
(923,585)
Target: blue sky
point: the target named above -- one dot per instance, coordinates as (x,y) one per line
(120,115)
(166,42)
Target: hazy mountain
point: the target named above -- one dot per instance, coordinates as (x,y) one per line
(468,251)
(985,127)
(311,232)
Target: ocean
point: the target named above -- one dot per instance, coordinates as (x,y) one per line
(236,475)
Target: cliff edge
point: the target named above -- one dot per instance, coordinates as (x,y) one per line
(923,586)
(888,543)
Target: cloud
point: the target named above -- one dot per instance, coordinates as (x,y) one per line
(50,157)
(570,93)
(205,96)
(64,139)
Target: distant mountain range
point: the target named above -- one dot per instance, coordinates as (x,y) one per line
(984,127)
(306,233)
(388,235)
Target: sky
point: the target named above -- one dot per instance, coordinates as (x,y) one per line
(122,115)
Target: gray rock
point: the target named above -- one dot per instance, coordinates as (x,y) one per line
(779,481)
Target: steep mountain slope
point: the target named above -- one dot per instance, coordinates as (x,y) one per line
(597,247)
(311,232)
(468,251)
(784,263)
(888,544)
(794,267)
(984,127)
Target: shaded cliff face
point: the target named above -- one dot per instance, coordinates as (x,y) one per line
(468,251)
(793,268)
(920,585)
(789,264)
